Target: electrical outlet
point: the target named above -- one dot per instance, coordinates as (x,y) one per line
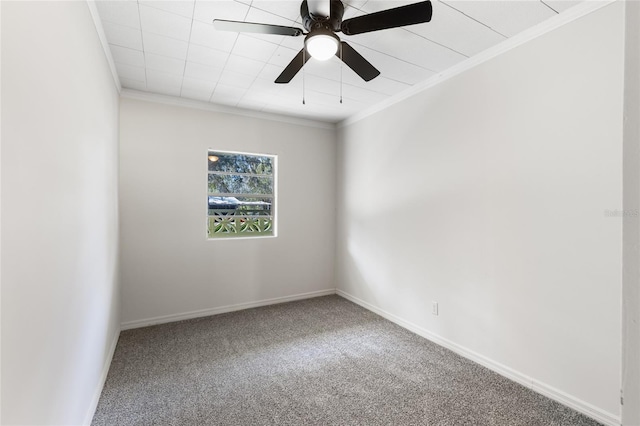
(434,308)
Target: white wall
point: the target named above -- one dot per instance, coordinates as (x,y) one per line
(487,193)
(59,213)
(631,222)
(169,268)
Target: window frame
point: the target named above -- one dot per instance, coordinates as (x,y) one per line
(273,196)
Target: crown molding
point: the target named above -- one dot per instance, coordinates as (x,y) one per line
(93,9)
(527,35)
(206,106)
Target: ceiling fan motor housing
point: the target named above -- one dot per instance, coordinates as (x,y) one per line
(312,22)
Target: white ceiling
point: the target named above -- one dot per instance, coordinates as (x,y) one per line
(171,48)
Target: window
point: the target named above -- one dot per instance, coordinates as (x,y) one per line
(241,196)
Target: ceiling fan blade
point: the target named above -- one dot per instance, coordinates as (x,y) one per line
(357,63)
(251,27)
(294,66)
(410,14)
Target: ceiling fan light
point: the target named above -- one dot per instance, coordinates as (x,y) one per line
(322,46)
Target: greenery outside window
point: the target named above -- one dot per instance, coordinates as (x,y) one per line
(241,195)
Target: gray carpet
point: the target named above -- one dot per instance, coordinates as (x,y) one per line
(322,361)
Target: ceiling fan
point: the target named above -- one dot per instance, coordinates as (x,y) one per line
(321,41)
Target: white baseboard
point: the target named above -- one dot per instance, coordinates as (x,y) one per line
(103,378)
(222,309)
(583,407)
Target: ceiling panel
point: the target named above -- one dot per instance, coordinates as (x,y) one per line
(362,94)
(270,72)
(256,49)
(172,48)
(163,83)
(202,72)
(259,15)
(244,65)
(457,31)
(358,4)
(178,7)
(168,24)
(264,88)
(282,56)
(322,85)
(161,45)
(294,43)
(314,97)
(124,55)
(504,16)
(254,99)
(417,50)
(287,9)
(235,79)
(203,34)
(207,11)
(122,36)
(204,86)
(326,69)
(196,94)
(227,95)
(378,5)
(165,64)
(561,5)
(119,12)
(392,67)
(289,102)
(381,84)
(131,72)
(206,56)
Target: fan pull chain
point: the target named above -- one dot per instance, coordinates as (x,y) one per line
(341,62)
(304,52)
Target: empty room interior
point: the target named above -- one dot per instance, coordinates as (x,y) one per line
(417,212)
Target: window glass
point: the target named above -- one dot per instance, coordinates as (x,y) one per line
(241,195)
